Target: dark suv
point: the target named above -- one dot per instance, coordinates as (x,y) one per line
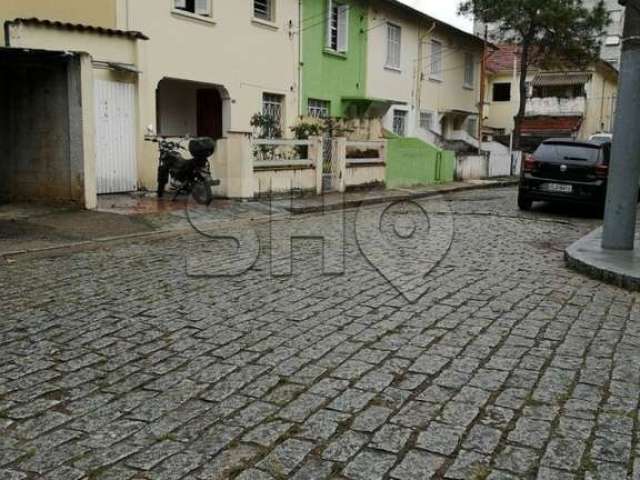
(566,170)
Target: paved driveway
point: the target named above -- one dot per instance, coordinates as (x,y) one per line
(116,364)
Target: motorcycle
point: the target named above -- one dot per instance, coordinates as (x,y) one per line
(191,176)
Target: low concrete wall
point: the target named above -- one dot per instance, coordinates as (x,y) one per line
(411,161)
(471,167)
(364,175)
(499,159)
(283,180)
(232,164)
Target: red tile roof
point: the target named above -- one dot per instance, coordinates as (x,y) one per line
(80,28)
(502,59)
(548,124)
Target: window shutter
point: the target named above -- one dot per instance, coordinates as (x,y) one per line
(329,20)
(203,7)
(394,38)
(180,3)
(343,28)
(262,9)
(436,58)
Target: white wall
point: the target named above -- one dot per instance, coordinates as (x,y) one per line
(384,82)
(247,58)
(556,106)
(411,86)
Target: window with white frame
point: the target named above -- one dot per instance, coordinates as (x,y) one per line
(272,109)
(400,122)
(197,7)
(319,108)
(394,45)
(263,10)
(337,27)
(469,70)
(427,120)
(436,59)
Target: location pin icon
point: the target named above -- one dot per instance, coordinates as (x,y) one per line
(404,241)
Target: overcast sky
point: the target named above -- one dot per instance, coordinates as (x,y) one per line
(443,10)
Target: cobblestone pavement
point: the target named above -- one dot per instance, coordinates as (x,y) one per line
(114,364)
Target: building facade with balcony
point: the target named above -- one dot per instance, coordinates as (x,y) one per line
(560,103)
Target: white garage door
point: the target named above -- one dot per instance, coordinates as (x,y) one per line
(115,136)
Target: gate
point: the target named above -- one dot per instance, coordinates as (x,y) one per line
(328,169)
(115,108)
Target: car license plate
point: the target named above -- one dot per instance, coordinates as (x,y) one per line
(557,187)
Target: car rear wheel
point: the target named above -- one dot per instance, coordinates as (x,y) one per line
(524,203)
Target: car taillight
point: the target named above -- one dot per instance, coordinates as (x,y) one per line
(602,171)
(529,163)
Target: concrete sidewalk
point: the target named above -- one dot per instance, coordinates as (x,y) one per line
(355,199)
(620,268)
(30,228)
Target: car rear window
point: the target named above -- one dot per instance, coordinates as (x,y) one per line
(562,152)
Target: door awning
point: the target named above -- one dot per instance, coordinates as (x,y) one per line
(118,67)
(459,113)
(565,78)
(367,107)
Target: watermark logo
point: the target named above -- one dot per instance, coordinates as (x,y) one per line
(403,240)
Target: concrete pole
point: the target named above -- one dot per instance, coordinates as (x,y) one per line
(624,174)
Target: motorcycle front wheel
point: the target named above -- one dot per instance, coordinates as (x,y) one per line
(202,193)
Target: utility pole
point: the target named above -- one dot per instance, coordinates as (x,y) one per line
(483,69)
(624,176)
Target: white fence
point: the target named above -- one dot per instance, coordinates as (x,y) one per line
(248,167)
(470,167)
(499,159)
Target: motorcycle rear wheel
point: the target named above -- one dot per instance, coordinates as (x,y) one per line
(202,193)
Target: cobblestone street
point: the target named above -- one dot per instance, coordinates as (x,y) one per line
(117,364)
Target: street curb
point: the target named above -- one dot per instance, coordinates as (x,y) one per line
(163,233)
(587,257)
(349,204)
(95,243)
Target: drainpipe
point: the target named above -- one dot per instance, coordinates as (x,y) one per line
(483,68)
(7,37)
(601,122)
(300,58)
(622,192)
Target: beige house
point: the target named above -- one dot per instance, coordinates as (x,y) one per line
(428,69)
(560,103)
(148,64)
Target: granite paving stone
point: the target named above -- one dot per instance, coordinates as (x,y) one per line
(132,360)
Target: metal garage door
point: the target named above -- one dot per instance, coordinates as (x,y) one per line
(115,136)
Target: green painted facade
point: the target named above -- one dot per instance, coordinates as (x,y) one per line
(410,162)
(329,75)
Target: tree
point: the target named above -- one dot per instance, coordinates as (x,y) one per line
(549,33)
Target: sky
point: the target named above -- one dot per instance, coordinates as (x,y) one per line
(445,10)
